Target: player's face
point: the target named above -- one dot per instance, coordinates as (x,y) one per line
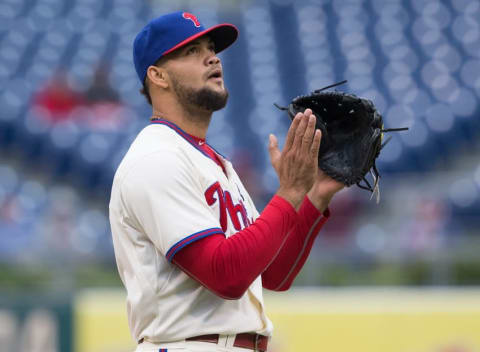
(197,77)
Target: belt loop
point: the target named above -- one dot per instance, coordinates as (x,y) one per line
(256,342)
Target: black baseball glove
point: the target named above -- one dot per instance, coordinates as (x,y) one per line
(352,133)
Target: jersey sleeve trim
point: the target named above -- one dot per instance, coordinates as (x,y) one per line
(190,239)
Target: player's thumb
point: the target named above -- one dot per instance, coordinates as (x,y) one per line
(273,149)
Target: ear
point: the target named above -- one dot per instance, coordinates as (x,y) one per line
(158,76)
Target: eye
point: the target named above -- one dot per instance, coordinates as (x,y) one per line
(211,47)
(191,50)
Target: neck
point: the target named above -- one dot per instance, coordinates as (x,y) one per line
(192,121)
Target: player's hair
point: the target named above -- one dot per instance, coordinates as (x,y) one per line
(145,90)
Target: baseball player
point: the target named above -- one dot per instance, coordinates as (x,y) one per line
(191,249)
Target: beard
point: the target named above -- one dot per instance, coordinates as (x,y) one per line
(204,98)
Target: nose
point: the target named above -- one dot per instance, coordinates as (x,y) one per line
(213,60)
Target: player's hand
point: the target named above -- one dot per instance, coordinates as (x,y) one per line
(297,164)
(323,190)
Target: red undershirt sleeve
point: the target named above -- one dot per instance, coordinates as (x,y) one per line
(287,264)
(228,266)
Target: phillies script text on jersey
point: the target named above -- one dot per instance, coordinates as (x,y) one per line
(214,193)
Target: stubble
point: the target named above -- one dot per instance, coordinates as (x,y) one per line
(204,98)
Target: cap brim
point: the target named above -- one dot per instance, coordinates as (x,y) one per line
(223,35)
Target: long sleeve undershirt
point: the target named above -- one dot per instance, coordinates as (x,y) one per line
(275,246)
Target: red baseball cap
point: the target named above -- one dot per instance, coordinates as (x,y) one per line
(164,34)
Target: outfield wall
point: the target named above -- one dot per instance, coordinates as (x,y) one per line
(340,320)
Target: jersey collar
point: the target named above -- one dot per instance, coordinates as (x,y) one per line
(184,135)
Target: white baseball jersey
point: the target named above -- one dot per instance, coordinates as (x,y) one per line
(166,194)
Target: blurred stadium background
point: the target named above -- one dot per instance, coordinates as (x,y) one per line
(70,107)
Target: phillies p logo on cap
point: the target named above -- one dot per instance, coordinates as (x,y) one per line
(169,32)
(191,17)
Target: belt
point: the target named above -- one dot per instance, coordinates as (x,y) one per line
(253,342)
